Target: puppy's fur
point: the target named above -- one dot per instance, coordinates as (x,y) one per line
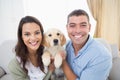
(53,42)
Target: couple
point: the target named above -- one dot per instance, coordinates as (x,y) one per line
(86,58)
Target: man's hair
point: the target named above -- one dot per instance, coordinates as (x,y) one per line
(78,12)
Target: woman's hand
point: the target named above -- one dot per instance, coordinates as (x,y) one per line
(51,66)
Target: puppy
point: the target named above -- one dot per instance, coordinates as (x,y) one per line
(53,42)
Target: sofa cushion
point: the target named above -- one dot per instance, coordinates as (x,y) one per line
(2,72)
(7,77)
(115,72)
(115,50)
(7,53)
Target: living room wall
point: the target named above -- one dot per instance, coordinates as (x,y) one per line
(10,13)
(51,13)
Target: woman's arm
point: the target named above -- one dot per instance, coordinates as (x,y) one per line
(16,70)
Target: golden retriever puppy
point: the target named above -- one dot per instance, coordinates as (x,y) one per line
(53,42)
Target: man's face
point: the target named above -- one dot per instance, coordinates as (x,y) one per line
(78,29)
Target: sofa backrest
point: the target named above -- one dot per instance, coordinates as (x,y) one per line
(6,53)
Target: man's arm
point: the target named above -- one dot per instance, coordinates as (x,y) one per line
(67,71)
(99,69)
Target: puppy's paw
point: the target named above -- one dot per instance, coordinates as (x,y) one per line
(58,60)
(46,59)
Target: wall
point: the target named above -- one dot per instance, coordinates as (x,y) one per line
(10,13)
(52,13)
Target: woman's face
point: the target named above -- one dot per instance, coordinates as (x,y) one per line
(32,36)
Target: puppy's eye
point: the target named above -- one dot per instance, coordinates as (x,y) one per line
(50,35)
(58,34)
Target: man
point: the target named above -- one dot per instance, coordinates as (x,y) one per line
(86,58)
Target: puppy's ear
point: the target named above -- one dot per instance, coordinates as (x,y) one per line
(63,39)
(45,42)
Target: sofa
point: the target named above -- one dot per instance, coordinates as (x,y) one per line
(7,53)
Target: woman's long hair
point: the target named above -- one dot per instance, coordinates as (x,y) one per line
(21,49)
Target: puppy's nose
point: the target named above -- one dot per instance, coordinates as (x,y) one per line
(55,41)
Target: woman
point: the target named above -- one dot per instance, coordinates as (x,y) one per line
(27,65)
